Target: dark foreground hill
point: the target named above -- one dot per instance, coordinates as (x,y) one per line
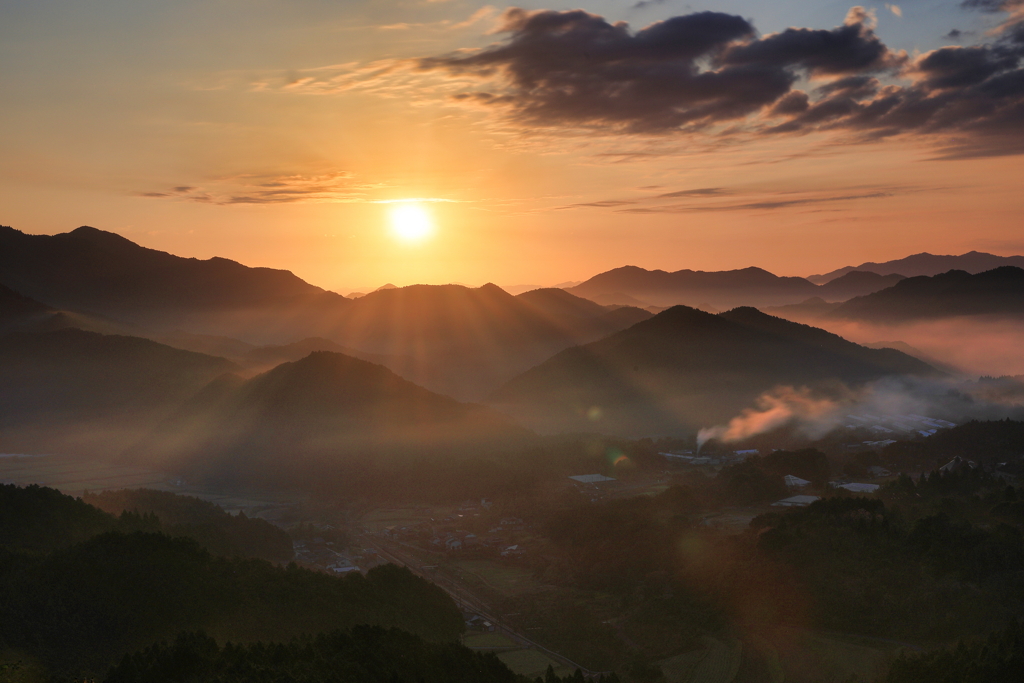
(83,605)
(998,292)
(364,654)
(312,415)
(927,264)
(83,392)
(101,273)
(684,369)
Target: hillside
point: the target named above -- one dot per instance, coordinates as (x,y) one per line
(18,311)
(101,273)
(305,417)
(997,292)
(76,391)
(927,264)
(684,369)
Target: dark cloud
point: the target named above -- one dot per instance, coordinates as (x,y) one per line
(847,49)
(575,70)
(571,68)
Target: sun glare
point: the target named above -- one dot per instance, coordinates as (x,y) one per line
(410,222)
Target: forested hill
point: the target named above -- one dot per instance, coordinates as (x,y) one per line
(78,604)
(216,530)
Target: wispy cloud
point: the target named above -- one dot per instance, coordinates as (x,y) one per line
(603,204)
(765,205)
(337,187)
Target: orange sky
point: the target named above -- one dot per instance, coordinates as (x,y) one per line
(270,136)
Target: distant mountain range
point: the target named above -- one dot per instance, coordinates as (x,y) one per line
(450,338)
(635,286)
(997,292)
(684,369)
(321,410)
(927,264)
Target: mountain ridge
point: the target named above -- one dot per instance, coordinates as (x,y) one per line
(927,264)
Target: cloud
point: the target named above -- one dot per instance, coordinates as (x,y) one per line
(334,188)
(895,9)
(711,72)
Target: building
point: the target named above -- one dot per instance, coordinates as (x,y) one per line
(795,482)
(856,488)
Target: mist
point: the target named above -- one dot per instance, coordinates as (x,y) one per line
(973,345)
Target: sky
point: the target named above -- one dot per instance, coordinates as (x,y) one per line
(529,144)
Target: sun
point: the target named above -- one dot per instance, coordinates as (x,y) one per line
(410,222)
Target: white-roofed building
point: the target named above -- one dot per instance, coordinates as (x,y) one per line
(795,482)
(858,488)
(591,478)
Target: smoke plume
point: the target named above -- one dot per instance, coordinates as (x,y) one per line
(780,407)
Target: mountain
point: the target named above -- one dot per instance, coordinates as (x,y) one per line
(683,369)
(467,342)
(266,357)
(723,289)
(917,353)
(928,264)
(17,310)
(324,410)
(579,315)
(997,292)
(812,308)
(101,273)
(856,283)
(81,392)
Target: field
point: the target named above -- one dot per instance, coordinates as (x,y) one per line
(506,579)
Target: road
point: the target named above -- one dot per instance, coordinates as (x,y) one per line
(470,602)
